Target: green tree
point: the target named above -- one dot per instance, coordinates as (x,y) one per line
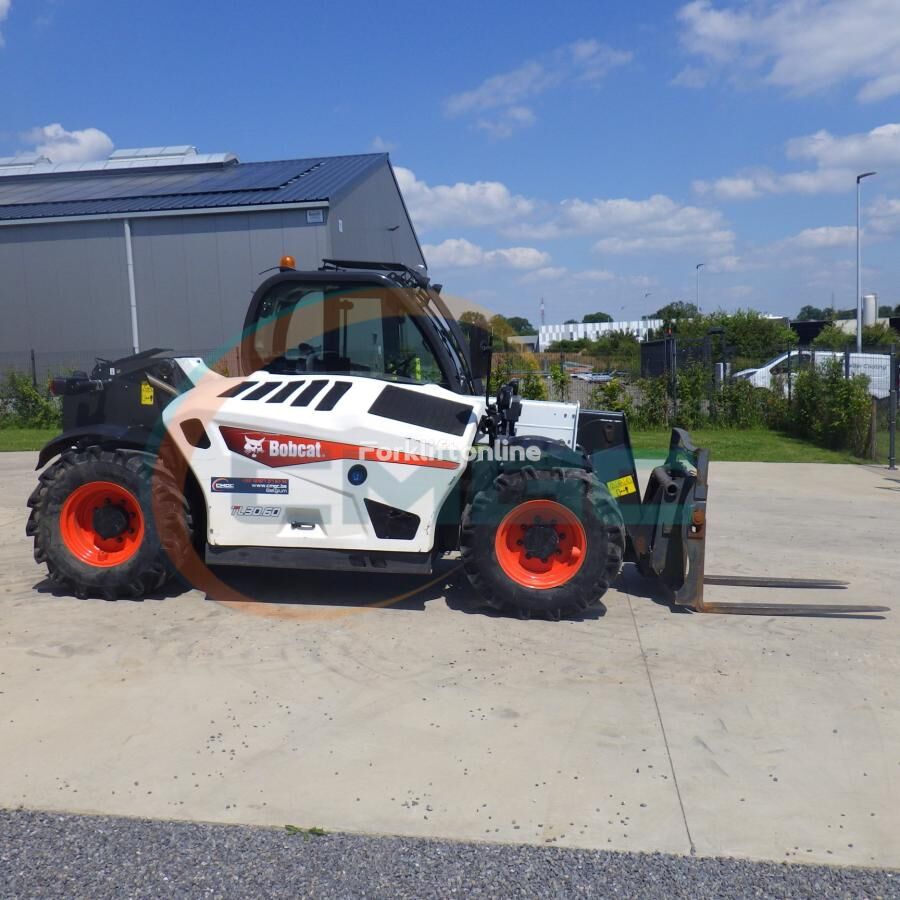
(676,310)
(521,325)
(501,327)
(597,317)
(833,338)
(750,335)
(471,317)
(885,312)
(811,314)
(879,335)
(572,322)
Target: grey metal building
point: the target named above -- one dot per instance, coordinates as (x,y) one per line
(162,247)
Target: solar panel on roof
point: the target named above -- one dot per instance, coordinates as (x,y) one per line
(177,188)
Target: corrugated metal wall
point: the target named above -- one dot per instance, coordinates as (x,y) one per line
(194,275)
(64,285)
(63,288)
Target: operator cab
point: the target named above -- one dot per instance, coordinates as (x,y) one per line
(385,324)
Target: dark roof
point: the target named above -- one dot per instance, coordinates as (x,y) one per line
(116,192)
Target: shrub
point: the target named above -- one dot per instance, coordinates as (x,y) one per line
(612,396)
(559,378)
(830,409)
(741,405)
(654,409)
(501,372)
(22,405)
(531,384)
(693,389)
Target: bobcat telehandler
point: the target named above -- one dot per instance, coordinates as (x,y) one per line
(360,436)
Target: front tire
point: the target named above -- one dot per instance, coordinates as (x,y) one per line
(543,542)
(109,523)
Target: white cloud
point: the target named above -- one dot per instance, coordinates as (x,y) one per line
(738,187)
(61,146)
(691,77)
(380,145)
(800,45)
(594,275)
(508,121)
(752,183)
(878,147)
(474,204)
(500,102)
(823,237)
(839,159)
(884,216)
(658,214)
(459,253)
(546,273)
(624,225)
(715,243)
(4,12)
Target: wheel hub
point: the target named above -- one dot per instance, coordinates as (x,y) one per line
(110,520)
(541,539)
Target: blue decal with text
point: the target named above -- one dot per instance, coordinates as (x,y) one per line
(249,485)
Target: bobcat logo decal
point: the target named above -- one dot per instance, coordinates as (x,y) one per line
(253,446)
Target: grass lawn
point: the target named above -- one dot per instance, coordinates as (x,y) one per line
(25,438)
(752,445)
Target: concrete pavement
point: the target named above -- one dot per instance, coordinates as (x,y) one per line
(643,729)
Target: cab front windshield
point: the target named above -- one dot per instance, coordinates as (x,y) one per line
(341,330)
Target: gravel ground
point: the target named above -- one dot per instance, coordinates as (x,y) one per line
(50,855)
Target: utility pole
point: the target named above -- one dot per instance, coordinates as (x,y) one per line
(859,309)
(698,267)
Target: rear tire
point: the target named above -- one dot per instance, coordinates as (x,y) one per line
(108,523)
(543,542)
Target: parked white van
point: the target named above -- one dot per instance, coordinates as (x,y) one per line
(876,365)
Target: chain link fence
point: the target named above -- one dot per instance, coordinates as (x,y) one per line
(702,381)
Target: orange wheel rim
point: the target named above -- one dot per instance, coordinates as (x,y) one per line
(540,544)
(102,524)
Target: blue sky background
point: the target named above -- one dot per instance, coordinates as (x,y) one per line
(586,152)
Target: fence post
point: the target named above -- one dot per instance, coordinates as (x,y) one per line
(892,410)
(873,431)
(674,376)
(846,364)
(33,369)
(790,354)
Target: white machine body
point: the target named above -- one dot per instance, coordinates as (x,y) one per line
(292,459)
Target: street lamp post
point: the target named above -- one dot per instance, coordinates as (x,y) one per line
(859,308)
(699,266)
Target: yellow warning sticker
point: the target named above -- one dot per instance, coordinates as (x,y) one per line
(147,395)
(622,486)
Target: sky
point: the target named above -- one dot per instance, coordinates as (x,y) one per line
(590,153)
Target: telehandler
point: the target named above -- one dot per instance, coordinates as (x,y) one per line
(361,435)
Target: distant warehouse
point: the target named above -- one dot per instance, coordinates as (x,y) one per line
(162,247)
